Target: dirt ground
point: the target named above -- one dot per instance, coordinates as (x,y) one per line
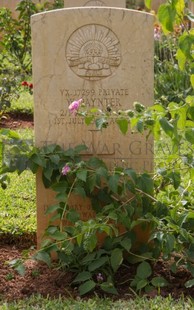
(16,121)
(50,281)
(40,279)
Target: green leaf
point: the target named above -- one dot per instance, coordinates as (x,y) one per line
(141,284)
(86,287)
(55,217)
(59,235)
(51,230)
(166,16)
(62,186)
(148,3)
(88,258)
(43,256)
(52,209)
(123,125)
(190,16)
(166,126)
(97,263)
(10,134)
(175,178)
(92,242)
(95,163)
(73,216)
(48,171)
(108,287)
(45,243)
(170,241)
(189,283)
(102,172)
(180,56)
(80,148)
(179,5)
(82,175)
(190,112)
(182,118)
(132,174)
(91,182)
(116,259)
(189,135)
(159,282)
(82,276)
(89,119)
(62,197)
(145,184)
(21,269)
(140,125)
(192,80)
(157,108)
(126,244)
(79,191)
(37,159)
(94,110)
(55,159)
(114,182)
(79,239)
(101,123)
(186,42)
(144,270)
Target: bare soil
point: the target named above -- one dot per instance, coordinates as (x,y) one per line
(40,279)
(16,121)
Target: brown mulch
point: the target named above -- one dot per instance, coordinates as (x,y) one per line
(16,121)
(40,279)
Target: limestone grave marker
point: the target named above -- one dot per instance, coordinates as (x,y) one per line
(105,56)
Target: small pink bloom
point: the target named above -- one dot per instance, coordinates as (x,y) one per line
(157,34)
(65,170)
(74,106)
(99,278)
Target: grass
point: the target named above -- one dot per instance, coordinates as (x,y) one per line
(17,202)
(18,206)
(24,104)
(158,303)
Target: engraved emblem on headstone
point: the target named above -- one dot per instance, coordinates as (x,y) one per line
(93,52)
(94,2)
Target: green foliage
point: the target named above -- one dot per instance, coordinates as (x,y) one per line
(9,89)
(15,46)
(172,82)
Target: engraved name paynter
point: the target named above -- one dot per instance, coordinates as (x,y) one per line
(93,52)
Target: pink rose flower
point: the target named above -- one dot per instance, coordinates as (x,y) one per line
(74,106)
(65,170)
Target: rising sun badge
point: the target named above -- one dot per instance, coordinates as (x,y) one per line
(93,52)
